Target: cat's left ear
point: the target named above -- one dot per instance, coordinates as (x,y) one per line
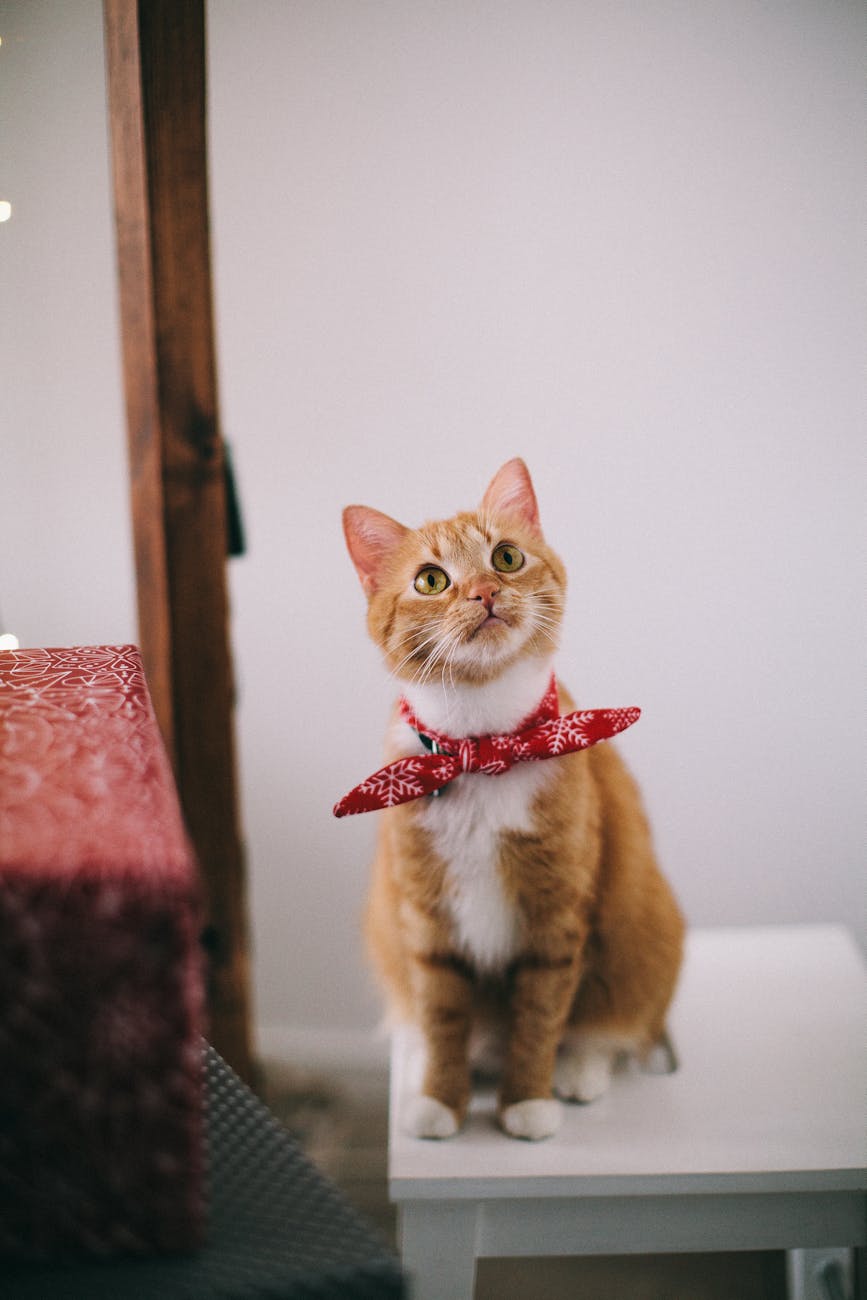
(371,538)
(510,493)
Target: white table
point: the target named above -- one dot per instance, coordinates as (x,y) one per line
(757,1141)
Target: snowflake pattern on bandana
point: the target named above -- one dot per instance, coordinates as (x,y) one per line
(395,784)
(544,734)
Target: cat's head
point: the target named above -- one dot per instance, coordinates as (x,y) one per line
(462,599)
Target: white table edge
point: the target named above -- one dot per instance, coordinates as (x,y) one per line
(799,1181)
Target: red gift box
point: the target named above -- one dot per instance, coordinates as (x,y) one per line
(101,999)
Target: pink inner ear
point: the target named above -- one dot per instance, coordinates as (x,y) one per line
(372,538)
(510,493)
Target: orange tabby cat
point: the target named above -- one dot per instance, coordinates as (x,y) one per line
(528,902)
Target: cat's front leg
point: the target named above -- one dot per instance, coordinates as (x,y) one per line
(543,988)
(443,988)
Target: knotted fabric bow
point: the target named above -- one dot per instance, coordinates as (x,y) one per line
(544,734)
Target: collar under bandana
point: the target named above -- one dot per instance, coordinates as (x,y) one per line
(544,734)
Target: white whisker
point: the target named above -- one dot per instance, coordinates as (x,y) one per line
(441,644)
(415,651)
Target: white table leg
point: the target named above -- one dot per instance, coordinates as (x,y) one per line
(438,1248)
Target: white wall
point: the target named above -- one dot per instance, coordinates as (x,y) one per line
(621,240)
(66,572)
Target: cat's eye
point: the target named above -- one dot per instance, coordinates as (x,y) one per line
(431,581)
(507,558)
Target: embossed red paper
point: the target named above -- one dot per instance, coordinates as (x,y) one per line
(100,979)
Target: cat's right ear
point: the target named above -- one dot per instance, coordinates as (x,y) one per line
(371,538)
(510,492)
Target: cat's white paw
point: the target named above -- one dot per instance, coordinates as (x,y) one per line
(425,1117)
(583,1075)
(534,1119)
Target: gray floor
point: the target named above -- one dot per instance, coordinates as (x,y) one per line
(340,1117)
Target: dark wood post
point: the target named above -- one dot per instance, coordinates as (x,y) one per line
(155,51)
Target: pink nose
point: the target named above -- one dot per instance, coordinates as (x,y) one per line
(484,590)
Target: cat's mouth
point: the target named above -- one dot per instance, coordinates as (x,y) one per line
(490,620)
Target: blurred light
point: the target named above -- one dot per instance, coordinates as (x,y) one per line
(5,210)
(8,641)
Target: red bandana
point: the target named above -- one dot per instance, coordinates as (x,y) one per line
(544,734)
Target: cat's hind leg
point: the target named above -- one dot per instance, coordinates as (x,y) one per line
(586,1062)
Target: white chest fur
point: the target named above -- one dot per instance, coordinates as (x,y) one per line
(467,824)
(469,819)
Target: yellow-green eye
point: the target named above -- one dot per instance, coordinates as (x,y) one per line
(507,559)
(431,581)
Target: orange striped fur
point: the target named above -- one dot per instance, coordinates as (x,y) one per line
(530,905)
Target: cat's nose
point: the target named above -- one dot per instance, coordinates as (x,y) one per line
(484,590)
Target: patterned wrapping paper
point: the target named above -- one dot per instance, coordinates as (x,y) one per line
(101,998)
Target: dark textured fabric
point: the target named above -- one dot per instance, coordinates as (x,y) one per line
(276,1228)
(101,989)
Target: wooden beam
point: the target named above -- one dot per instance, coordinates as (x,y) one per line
(155,51)
(133,244)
